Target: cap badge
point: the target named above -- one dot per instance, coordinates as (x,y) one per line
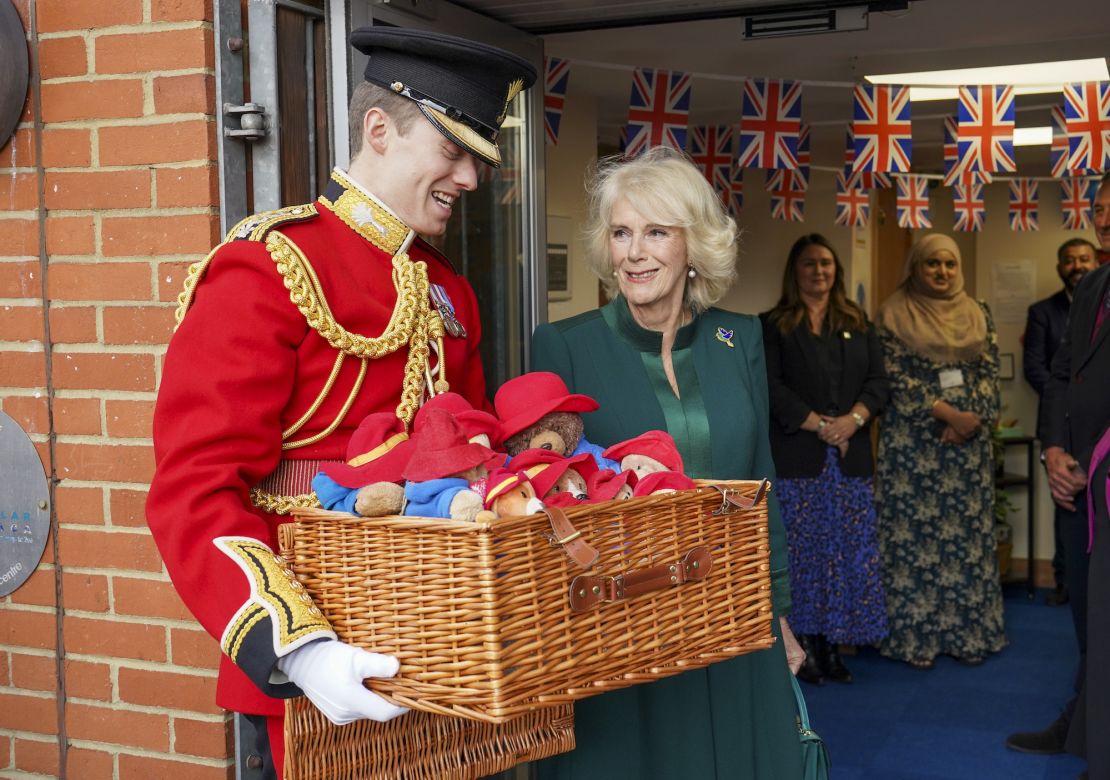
(514,90)
(725,336)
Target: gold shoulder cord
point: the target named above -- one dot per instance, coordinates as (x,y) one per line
(413,324)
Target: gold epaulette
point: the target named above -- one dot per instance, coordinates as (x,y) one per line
(253,228)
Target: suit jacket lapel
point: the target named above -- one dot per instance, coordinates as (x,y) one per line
(1090,315)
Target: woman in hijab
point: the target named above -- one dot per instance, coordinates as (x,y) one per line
(935,481)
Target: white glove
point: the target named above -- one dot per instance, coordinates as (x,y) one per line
(331,672)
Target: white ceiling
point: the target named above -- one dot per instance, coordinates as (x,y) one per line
(929,35)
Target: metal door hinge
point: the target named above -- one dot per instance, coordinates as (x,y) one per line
(253,124)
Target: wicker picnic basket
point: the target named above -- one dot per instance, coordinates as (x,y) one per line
(495,620)
(416,746)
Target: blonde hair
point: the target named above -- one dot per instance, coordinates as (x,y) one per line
(665,187)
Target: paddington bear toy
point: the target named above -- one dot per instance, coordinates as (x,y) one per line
(510,494)
(608,485)
(369,483)
(647,453)
(443,468)
(537,411)
(478,426)
(558,481)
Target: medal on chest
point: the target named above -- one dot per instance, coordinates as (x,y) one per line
(442,303)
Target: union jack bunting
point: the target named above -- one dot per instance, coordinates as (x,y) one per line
(868,180)
(788,198)
(952,172)
(912,202)
(969,206)
(881,126)
(556,76)
(711,151)
(658,111)
(773,176)
(770,123)
(1076,196)
(985,134)
(853,204)
(1059,154)
(1023,204)
(736,191)
(1087,123)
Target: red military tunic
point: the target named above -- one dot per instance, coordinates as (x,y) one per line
(245,365)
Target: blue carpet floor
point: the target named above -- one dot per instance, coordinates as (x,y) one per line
(898,723)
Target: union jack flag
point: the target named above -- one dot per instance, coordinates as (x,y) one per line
(788,198)
(1087,117)
(912,202)
(770,123)
(736,191)
(658,111)
(1059,154)
(556,76)
(881,126)
(952,171)
(970,208)
(853,204)
(1023,204)
(622,139)
(773,176)
(868,180)
(985,137)
(1076,196)
(711,151)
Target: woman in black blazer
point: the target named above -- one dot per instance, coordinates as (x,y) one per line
(825,371)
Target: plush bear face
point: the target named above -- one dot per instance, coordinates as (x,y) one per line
(624,493)
(519,501)
(571,482)
(558,432)
(642,465)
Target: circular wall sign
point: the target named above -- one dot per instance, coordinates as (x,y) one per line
(24,505)
(13,66)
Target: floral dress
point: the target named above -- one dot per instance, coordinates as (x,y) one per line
(935,503)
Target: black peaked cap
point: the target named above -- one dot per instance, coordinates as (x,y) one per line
(463,87)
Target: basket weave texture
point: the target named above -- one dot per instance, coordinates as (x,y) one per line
(418,745)
(479,613)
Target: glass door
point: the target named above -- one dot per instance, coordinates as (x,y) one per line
(496,235)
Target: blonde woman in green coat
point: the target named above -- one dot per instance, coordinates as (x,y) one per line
(658,356)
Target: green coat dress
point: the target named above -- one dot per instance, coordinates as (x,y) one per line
(734,719)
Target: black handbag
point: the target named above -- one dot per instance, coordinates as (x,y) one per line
(815,758)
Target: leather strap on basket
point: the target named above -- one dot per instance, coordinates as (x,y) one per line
(587,591)
(732,500)
(570,538)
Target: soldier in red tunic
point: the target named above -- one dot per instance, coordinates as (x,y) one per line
(302,322)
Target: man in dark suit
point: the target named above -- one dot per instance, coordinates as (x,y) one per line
(1044,329)
(1076,410)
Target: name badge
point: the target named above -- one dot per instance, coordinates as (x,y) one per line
(951,377)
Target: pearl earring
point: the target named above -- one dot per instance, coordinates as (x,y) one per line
(691,273)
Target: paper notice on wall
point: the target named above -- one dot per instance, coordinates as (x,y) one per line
(1013,287)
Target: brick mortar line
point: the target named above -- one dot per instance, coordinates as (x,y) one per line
(84,348)
(136,75)
(126,29)
(81,394)
(136,752)
(169,165)
(126,121)
(138,212)
(118,663)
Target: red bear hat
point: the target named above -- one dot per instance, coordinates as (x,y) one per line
(501,482)
(662,480)
(473,421)
(378,451)
(654,444)
(604,485)
(522,401)
(441,450)
(544,467)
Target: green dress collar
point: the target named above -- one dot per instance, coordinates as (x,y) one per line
(620,320)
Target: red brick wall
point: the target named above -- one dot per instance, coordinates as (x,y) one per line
(129,199)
